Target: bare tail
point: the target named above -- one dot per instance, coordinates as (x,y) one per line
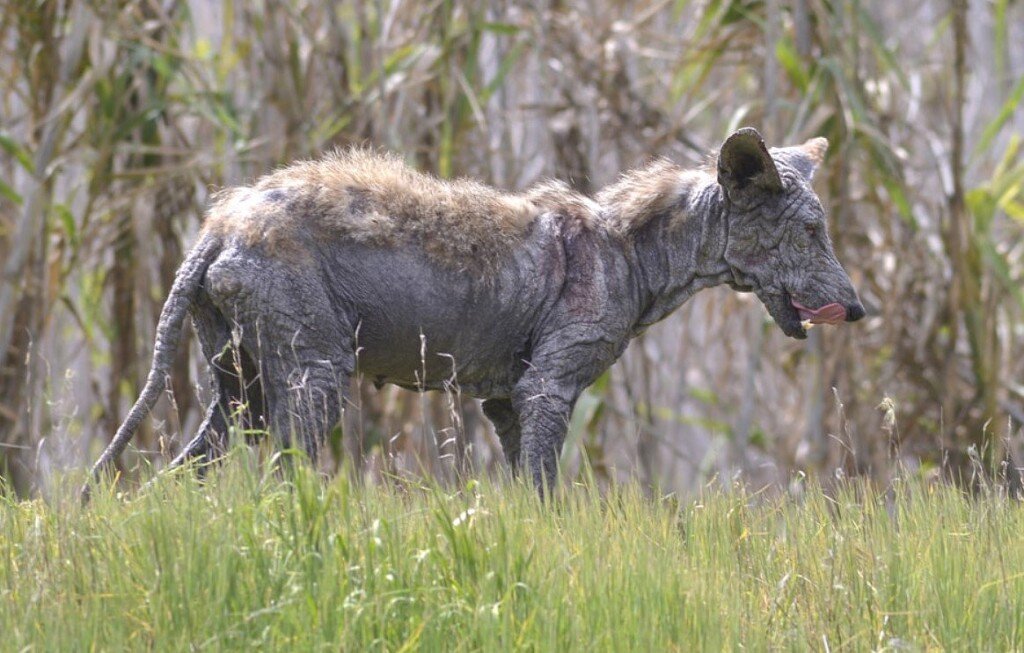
(168,334)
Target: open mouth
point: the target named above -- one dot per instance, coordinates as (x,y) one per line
(740,287)
(828,314)
(795,318)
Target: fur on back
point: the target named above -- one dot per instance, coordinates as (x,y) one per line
(371,197)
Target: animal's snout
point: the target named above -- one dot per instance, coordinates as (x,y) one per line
(855,312)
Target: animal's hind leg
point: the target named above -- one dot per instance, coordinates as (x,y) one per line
(206,446)
(237,402)
(303,347)
(307,399)
(235,385)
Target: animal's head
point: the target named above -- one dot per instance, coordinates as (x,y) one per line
(778,244)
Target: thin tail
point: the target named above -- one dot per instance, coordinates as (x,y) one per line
(168,334)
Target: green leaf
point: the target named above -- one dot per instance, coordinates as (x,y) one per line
(403,55)
(883,50)
(1000,24)
(899,198)
(705,396)
(16,150)
(1015,210)
(1001,267)
(203,49)
(1009,156)
(506,64)
(67,223)
(10,193)
(793,64)
(982,206)
(500,28)
(330,127)
(1008,109)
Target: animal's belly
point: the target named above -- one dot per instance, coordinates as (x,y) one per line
(420,325)
(438,357)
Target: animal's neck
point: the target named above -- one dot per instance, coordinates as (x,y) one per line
(682,250)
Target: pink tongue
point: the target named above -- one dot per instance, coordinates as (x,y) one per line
(828,314)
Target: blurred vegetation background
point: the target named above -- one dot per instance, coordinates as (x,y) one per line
(118,120)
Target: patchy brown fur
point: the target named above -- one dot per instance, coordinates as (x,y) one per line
(640,195)
(557,197)
(376,198)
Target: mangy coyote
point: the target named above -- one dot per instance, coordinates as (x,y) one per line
(524,298)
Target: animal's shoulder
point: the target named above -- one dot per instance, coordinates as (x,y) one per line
(640,195)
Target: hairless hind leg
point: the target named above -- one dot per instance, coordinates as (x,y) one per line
(306,397)
(303,347)
(237,396)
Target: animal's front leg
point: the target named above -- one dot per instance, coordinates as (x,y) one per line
(544,408)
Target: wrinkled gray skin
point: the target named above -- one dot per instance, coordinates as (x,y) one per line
(528,342)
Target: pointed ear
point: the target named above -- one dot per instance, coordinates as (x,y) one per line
(815,149)
(805,158)
(744,163)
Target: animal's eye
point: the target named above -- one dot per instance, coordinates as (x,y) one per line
(811,230)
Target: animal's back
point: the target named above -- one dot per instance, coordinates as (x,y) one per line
(368,197)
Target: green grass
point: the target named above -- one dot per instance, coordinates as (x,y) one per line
(250,560)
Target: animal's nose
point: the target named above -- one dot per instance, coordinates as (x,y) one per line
(854,312)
